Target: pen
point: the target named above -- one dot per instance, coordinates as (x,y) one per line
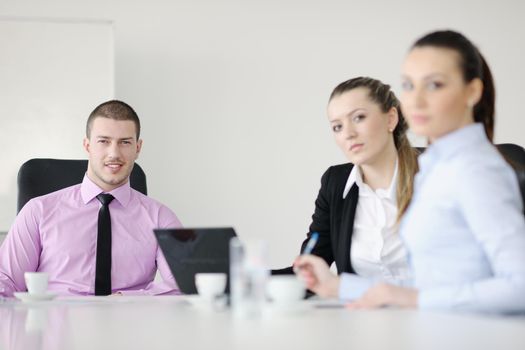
(308,249)
(311,243)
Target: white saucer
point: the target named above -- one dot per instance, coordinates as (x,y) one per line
(27,297)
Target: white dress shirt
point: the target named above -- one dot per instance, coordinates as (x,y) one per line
(377,252)
(465,229)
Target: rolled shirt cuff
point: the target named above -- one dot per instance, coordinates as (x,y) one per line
(352,286)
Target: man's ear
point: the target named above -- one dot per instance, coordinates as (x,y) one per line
(139,147)
(86,144)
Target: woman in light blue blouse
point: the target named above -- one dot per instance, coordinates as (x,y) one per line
(464,229)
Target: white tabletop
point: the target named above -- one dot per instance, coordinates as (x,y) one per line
(181,323)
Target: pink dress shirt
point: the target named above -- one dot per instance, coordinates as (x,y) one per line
(57,234)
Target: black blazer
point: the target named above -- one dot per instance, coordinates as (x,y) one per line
(333,219)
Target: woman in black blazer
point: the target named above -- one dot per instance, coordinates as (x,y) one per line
(369,128)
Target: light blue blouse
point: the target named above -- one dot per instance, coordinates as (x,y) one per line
(465,228)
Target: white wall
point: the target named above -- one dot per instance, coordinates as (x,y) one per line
(232,93)
(52,72)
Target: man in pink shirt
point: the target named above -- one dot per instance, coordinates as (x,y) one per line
(58,233)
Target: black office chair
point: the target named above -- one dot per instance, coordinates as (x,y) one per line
(515,155)
(40,176)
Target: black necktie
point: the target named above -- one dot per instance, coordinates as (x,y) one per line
(103,264)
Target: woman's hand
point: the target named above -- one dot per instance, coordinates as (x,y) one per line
(317,276)
(384,294)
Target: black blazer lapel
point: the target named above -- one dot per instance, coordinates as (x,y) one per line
(346,229)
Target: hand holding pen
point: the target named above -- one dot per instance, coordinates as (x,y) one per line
(314,237)
(315,272)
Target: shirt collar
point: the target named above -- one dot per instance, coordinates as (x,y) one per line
(90,190)
(452,144)
(352,179)
(356,177)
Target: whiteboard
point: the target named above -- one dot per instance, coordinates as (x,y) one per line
(53,72)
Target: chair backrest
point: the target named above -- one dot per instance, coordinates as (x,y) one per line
(40,176)
(515,155)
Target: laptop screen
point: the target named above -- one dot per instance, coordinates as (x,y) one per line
(189,251)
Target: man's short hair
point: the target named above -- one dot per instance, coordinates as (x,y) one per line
(116,110)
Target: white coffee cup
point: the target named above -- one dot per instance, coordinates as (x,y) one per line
(210,285)
(285,289)
(36,282)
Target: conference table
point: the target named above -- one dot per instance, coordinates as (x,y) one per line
(186,322)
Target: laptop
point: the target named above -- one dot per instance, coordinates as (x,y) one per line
(189,251)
